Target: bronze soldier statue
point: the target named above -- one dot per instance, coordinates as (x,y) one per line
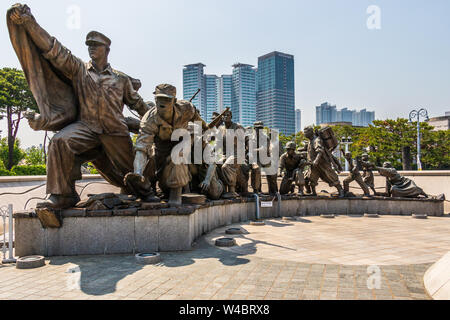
(322,163)
(256,171)
(83,101)
(354,175)
(205,179)
(398,186)
(157,127)
(289,164)
(368,176)
(229,171)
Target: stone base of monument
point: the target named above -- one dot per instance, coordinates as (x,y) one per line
(156,228)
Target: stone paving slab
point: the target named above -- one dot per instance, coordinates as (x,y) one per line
(206,273)
(388,240)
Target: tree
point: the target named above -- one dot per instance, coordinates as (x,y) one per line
(15,99)
(17,154)
(35,156)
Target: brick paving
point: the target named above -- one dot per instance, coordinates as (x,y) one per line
(208,273)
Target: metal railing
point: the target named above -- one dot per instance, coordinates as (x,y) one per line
(7,213)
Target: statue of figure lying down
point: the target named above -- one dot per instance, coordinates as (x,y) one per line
(398,186)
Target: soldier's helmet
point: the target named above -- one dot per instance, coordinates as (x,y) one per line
(364,156)
(387,164)
(259,125)
(291,146)
(165,91)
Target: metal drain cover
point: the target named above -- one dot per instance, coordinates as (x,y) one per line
(420,216)
(328,216)
(371,215)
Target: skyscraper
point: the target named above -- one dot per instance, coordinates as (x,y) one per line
(212,96)
(194,79)
(298,120)
(225,85)
(276,92)
(243,94)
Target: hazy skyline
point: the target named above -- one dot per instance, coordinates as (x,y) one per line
(403,65)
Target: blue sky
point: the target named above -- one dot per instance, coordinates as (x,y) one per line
(337,58)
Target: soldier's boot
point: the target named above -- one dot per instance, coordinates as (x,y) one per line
(300,191)
(231,194)
(175,197)
(308,188)
(313,191)
(341,191)
(60,202)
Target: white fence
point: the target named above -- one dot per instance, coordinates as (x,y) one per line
(7,244)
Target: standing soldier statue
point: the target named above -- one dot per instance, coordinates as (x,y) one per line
(323,163)
(368,176)
(355,175)
(157,127)
(230,170)
(83,101)
(256,171)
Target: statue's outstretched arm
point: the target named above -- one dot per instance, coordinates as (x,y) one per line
(21,15)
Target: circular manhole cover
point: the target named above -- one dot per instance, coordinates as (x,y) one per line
(289,219)
(226,242)
(371,215)
(420,216)
(148,258)
(30,262)
(328,216)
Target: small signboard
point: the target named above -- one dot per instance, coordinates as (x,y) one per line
(266,204)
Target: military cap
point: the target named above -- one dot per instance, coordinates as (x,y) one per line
(165,91)
(291,146)
(97,37)
(258,125)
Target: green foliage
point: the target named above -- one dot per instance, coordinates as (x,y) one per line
(14,91)
(18,153)
(386,139)
(29,170)
(15,99)
(5,173)
(92,169)
(35,156)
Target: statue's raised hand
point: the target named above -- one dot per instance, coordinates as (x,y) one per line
(20,14)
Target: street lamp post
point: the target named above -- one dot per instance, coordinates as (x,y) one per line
(415,116)
(347,141)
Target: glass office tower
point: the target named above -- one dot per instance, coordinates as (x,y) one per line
(276,92)
(194,79)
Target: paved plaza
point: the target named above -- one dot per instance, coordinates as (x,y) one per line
(313,258)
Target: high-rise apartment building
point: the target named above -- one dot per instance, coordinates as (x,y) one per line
(298,120)
(243,94)
(225,85)
(194,79)
(212,96)
(326,113)
(276,92)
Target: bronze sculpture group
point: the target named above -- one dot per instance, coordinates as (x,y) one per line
(84,102)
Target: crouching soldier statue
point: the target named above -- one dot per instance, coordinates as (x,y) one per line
(292,164)
(157,127)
